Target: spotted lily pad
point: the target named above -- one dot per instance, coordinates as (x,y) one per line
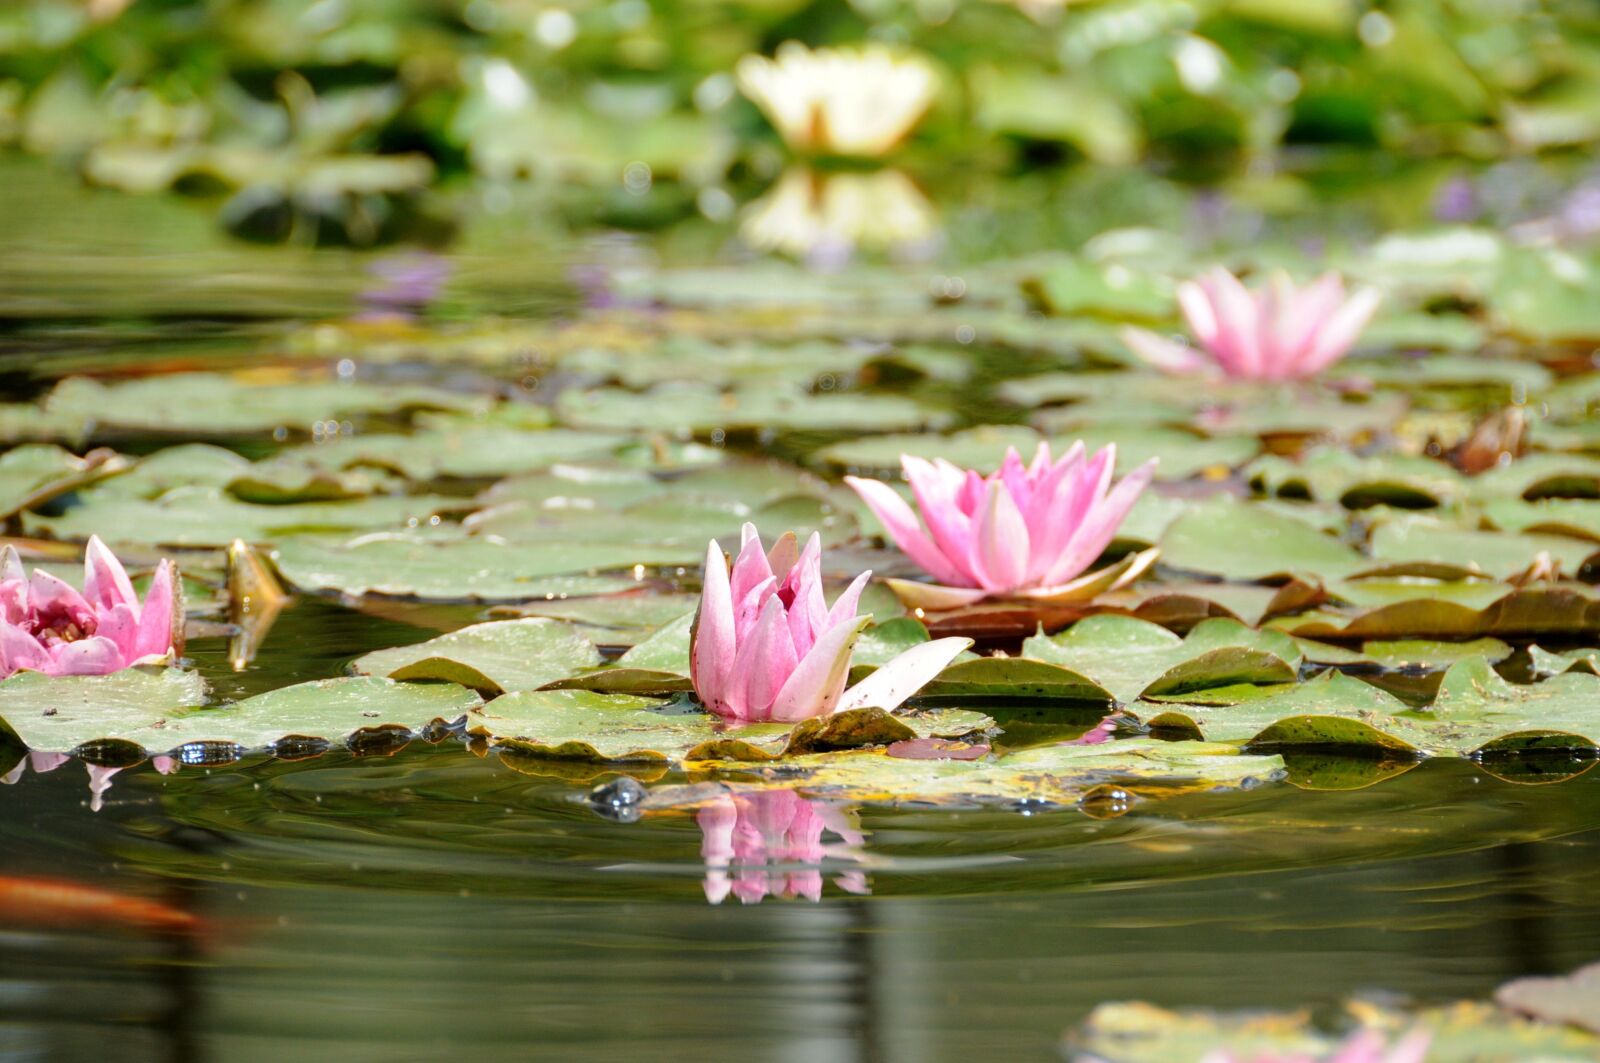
(586,725)
(492,658)
(139,713)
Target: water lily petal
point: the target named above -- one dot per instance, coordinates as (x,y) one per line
(105,581)
(813,689)
(902,677)
(54,599)
(19,650)
(161,618)
(751,568)
(1197,309)
(1001,540)
(1161,352)
(844,607)
(711,639)
(90,656)
(764,663)
(934,597)
(1237,347)
(949,526)
(904,530)
(1095,532)
(121,626)
(11,565)
(1340,332)
(783,555)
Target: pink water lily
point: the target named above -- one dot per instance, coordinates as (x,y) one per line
(766,645)
(1277,332)
(1023,531)
(1365,1046)
(770,843)
(46,625)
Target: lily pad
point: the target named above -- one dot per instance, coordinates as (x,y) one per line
(218,404)
(1133,658)
(1432,542)
(450,448)
(469,569)
(586,725)
(492,658)
(1243,541)
(60,714)
(33,475)
(693,408)
(139,713)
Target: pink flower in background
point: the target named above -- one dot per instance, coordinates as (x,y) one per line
(1277,332)
(770,843)
(48,626)
(1024,531)
(1366,1046)
(766,646)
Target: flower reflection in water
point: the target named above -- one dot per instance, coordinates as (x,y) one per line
(770,843)
(825,218)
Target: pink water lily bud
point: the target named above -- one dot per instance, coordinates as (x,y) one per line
(1364,1046)
(1277,332)
(1025,531)
(46,625)
(769,843)
(767,646)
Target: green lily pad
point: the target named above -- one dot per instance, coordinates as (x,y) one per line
(690,408)
(1477,710)
(1546,662)
(59,714)
(586,725)
(451,448)
(1180,454)
(981,448)
(1016,677)
(1577,518)
(1431,655)
(465,569)
(1326,474)
(143,713)
(1132,658)
(33,475)
(1423,540)
(492,658)
(1244,541)
(656,665)
(206,516)
(217,404)
(1528,612)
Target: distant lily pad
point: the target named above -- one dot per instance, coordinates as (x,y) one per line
(33,475)
(220,404)
(693,408)
(1238,540)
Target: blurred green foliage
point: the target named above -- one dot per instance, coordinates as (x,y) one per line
(345,111)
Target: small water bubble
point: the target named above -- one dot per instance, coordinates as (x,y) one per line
(346,368)
(966,334)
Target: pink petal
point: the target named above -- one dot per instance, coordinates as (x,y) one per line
(1075,498)
(105,581)
(783,555)
(1099,527)
(748,612)
(1015,477)
(816,683)
(11,565)
(19,650)
(751,568)
(1236,347)
(949,526)
(892,684)
(1305,315)
(1002,541)
(764,663)
(1162,353)
(1413,1048)
(90,656)
(50,595)
(904,530)
(121,626)
(1197,309)
(161,618)
(1341,331)
(844,608)
(712,642)
(808,609)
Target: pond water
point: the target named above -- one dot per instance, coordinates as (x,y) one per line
(442,900)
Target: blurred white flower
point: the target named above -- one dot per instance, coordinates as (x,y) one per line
(839,101)
(807,213)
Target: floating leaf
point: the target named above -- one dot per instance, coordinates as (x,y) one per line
(217,404)
(1421,539)
(1238,540)
(142,713)
(33,475)
(464,569)
(1132,658)
(492,658)
(450,448)
(693,408)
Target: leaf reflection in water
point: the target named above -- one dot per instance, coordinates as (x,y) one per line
(770,843)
